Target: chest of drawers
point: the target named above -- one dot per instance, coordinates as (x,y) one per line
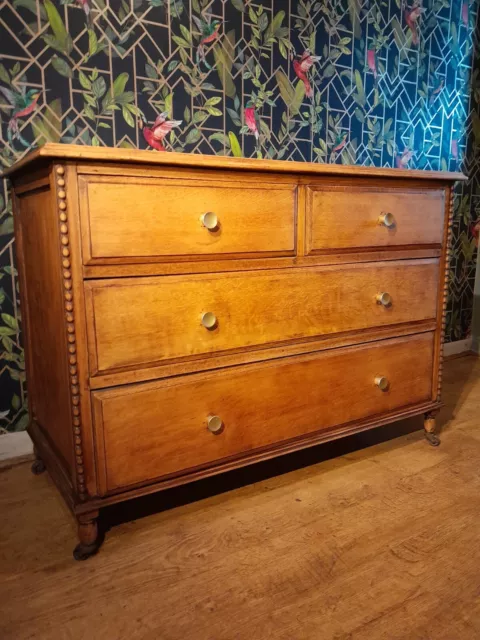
(186,315)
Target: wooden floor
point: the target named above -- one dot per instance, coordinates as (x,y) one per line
(363,538)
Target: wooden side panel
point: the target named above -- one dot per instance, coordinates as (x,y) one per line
(146,320)
(131,217)
(348,217)
(152,430)
(37,235)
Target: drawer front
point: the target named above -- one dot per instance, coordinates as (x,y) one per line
(151,430)
(153,218)
(140,321)
(354,218)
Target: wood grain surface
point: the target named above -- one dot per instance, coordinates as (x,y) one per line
(348,217)
(252,308)
(375,543)
(259,405)
(252,218)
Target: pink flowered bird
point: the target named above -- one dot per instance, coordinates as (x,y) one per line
(454,148)
(411,18)
(372,62)
(302,67)
(403,160)
(250,119)
(475,229)
(85,5)
(465,14)
(160,128)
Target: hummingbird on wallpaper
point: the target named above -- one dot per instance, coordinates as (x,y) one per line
(250,119)
(372,62)
(160,128)
(411,17)
(403,159)
(340,142)
(23,104)
(302,67)
(85,5)
(209,32)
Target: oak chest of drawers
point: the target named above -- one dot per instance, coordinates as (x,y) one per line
(186,315)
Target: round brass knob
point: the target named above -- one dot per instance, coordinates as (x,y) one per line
(214,424)
(382,383)
(384,299)
(209,220)
(209,320)
(387,219)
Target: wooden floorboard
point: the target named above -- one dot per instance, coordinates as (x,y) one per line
(376,536)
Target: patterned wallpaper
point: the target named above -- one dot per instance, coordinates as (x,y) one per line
(357,82)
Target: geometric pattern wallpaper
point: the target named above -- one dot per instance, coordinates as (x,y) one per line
(385,83)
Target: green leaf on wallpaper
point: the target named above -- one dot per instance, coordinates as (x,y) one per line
(193,136)
(151,71)
(186,34)
(360,97)
(4,77)
(2,296)
(99,86)
(119,84)
(235,145)
(92,43)
(61,36)
(125,144)
(47,126)
(220,137)
(10,321)
(186,115)
(276,24)
(169,105)
(6,227)
(252,15)
(224,52)
(33,6)
(84,81)
(238,4)
(292,96)
(181,42)
(213,111)
(354,10)
(127,116)
(16,404)
(62,67)
(199,116)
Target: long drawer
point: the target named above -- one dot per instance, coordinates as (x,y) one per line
(132,218)
(141,321)
(151,430)
(356,217)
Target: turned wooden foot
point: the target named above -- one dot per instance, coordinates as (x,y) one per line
(38,465)
(429,425)
(88,536)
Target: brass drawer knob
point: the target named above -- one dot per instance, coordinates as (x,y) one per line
(384,298)
(214,424)
(209,220)
(382,383)
(209,320)
(387,219)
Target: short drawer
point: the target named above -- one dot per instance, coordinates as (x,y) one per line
(142,321)
(130,218)
(353,217)
(151,430)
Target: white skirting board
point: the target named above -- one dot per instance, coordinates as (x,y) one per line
(16,447)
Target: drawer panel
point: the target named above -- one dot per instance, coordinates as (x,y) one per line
(352,217)
(151,430)
(131,218)
(141,321)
